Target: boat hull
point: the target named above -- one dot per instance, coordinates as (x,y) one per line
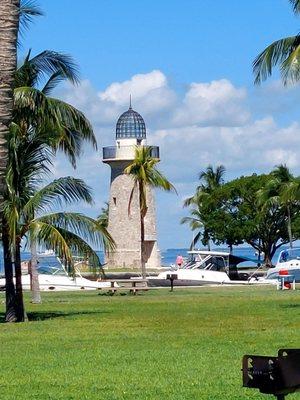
(288,267)
(61,283)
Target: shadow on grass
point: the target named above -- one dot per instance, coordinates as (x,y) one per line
(295,305)
(44,315)
(114,294)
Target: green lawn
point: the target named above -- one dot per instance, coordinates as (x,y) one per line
(156,345)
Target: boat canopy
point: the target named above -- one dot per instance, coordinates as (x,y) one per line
(233,259)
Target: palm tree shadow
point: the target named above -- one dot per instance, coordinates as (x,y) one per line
(44,315)
(293,305)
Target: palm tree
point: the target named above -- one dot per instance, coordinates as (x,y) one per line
(145,175)
(210,179)
(61,191)
(195,223)
(41,126)
(9,24)
(13,16)
(280,190)
(283,52)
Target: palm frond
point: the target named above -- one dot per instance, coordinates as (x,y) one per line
(296,6)
(28,10)
(66,190)
(47,235)
(81,248)
(195,240)
(52,82)
(290,67)
(188,201)
(194,223)
(75,128)
(278,52)
(29,102)
(85,227)
(65,126)
(158,180)
(46,64)
(212,178)
(282,173)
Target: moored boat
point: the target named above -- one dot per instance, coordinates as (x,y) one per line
(288,263)
(53,276)
(205,268)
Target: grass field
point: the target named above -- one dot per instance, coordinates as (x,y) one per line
(157,345)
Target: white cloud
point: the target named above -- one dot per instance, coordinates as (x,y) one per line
(149,91)
(216,103)
(140,85)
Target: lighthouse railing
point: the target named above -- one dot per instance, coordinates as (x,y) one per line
(125,152)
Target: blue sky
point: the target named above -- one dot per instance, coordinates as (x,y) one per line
(188,40)
(188,68)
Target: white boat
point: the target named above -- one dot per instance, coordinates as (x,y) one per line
(204,268)
(56,278)
(288,264)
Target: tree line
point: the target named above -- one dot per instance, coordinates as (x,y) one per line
(262,211)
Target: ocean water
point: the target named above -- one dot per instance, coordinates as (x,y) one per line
(168,256)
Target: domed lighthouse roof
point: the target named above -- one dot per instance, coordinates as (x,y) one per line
(130,125)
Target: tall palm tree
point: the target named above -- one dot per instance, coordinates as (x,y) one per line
(62,232)
(41,126)
(280,190)
(210,179)
(145,175)
(284,53)
(9,25)
(195,222)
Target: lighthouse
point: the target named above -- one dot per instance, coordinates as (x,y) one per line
(124,222)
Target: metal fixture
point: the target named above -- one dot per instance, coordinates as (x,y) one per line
(278,376)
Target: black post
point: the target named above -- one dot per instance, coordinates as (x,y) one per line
(172,283)
(172,277)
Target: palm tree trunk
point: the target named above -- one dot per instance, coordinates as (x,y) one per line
(10,293)
(20,310)
(142,214)
(34,276)
(9,24)
(143,264)
(290,226)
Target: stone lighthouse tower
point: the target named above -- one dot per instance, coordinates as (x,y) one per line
(124,224)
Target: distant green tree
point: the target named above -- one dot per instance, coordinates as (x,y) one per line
(103,216)
(240,216)
(283,52)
